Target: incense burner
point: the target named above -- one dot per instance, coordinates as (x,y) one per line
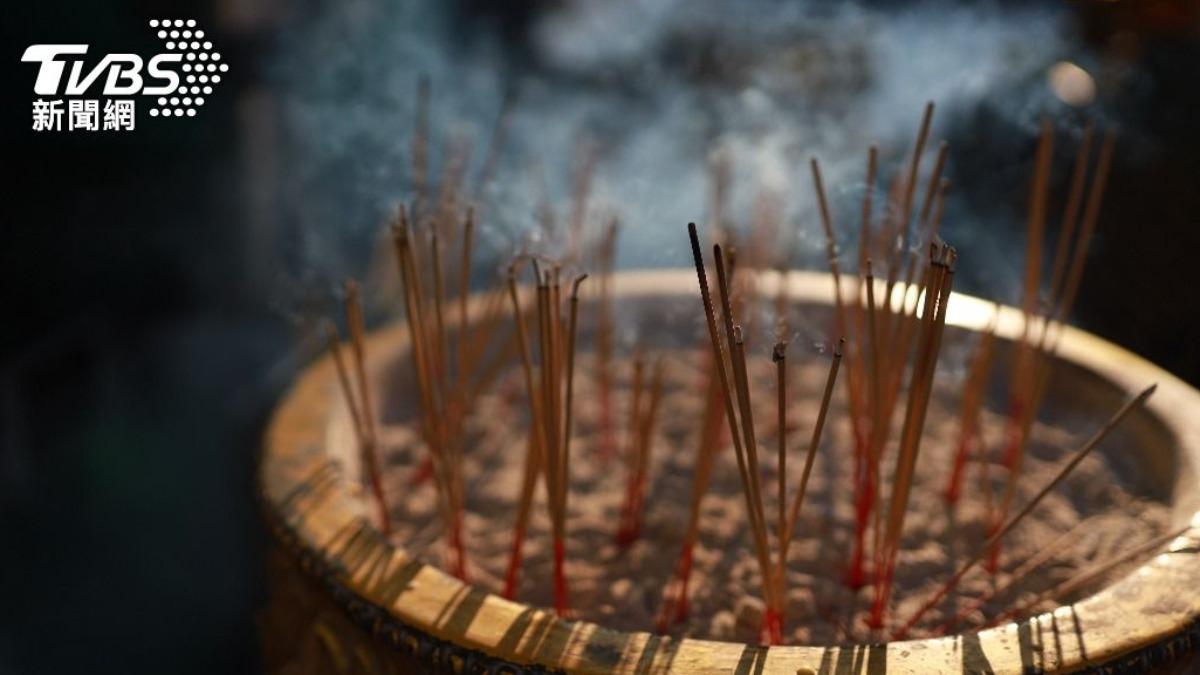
(344,600)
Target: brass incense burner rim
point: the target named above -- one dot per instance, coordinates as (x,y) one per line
(308,461)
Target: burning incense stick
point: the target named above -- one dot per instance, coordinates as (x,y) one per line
(1012,522)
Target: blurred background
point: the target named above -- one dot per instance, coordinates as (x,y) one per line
(157,282)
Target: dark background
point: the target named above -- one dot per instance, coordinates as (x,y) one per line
(142,348)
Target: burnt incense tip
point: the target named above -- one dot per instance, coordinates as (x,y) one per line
(575,285)
(950,257)
(737,334)
(838,349)
(779,353)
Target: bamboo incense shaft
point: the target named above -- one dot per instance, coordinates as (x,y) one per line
(910,186)
(432,409)
(742,389)
(464,293)
(839,320)
(439,295)
(942,260)
(810,456)
(779,357)
(552,433)
(928,220)
(643,427)
(1022,379)
(626,530)
(728,397)
(557,356)
(977,379)
(1063,542)
(367,447)
(1091,574)
(604,339)
(1071,212)
(878,433)
(1012,522)
(1032,363)
(855,383)
(1088,226)
(344,380)
(635,405)
(1035,361)
(537,442)
(369,439)
(572,329)
(675,598)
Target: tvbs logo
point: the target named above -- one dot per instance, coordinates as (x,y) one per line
(178,80)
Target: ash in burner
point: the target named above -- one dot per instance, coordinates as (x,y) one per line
(622,587)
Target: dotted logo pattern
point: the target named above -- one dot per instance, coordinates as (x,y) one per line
(202,67)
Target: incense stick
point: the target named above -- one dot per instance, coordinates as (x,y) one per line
(814,442)
(367,448)
(942,260)
(977,379)
(369,438)
(642,426)
(1091,574)
(753,507)
(536,444)
(675,597)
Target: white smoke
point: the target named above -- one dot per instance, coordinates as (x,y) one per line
(658,85)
